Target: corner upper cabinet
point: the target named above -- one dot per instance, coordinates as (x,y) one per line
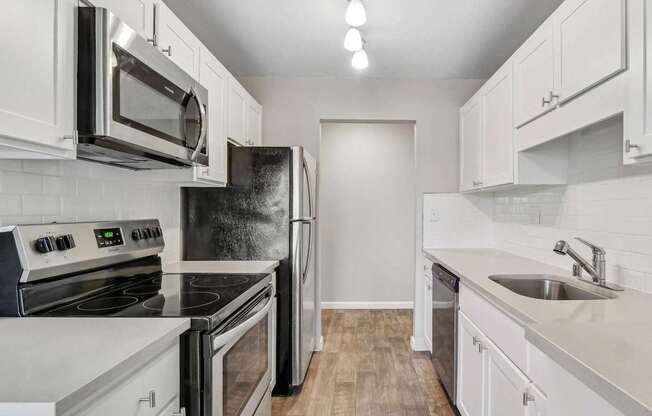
(137,14)
(176,41)
(498,130)
(237,112)
(37,79)
(471,144)
(214,76)
(590,44)
(534,76)
(254,135)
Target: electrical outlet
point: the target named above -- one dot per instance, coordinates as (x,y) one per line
(434,215)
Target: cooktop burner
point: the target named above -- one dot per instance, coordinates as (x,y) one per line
(219,281)
(146,289)
(181,301)
(107,303)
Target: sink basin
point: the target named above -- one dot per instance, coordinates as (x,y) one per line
(545,287)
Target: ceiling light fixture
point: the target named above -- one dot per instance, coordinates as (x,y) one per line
(353,40)
(356,15)
(360,59)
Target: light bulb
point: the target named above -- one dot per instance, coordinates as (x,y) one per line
(356,15)
(360,59)
(353,40)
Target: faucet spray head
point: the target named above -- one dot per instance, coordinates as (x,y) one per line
(561,247)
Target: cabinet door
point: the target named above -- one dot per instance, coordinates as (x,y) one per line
(137,14)
(253,136)
(470,144)
(534,76)
(506,385)
(498,145)
(470,369)
(236,125)
(37,76)
(214,77)
(427,302)
(176,41)
(590,44)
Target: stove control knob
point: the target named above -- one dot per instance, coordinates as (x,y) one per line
(65,242)
(143,232)
(45,244)
(150,234)
(158,232)
(136,235)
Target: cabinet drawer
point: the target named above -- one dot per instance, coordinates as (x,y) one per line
(160,376)
(504,332)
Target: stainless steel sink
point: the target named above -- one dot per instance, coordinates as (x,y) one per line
(545,287)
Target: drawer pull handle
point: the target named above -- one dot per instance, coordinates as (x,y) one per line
(527,398)
(151,399)
(476,341)
(481,347)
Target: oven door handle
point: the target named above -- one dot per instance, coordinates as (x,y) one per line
(231,335)
(202,125)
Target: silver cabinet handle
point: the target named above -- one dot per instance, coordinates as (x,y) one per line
(181,412)
(476,340)
(481,347)
(545,102)
(151,399)
(527,398)
(629,146)
(480,183)
(152,41)
(167,51)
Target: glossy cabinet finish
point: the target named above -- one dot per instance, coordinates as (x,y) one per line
(534,76)
(470,144)
(176,41)
(471,367)
(37,79)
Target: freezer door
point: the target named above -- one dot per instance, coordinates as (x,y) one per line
(303,228)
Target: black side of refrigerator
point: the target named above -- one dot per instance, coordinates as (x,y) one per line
(248,220)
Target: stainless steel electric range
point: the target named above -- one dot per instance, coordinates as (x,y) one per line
(113,269)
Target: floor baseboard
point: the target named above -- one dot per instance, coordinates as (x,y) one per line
(367,305)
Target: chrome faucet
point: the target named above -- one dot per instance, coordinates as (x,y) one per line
(597,268)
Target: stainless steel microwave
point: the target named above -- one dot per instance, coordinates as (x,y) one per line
(135,107)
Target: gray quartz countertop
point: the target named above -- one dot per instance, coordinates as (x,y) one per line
(607,344)
(56,363)
(235,267)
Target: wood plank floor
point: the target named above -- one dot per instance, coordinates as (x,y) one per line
(367,368)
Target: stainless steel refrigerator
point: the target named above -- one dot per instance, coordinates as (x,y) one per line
(267,212)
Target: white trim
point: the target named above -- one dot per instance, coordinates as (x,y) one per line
(367,305)
(319,345)
(418,344)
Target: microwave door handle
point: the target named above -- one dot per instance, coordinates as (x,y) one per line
(202,123)
(233,334)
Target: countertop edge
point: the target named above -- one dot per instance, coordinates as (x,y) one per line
(613,394)
(76,399)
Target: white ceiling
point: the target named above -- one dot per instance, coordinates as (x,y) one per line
(405,38)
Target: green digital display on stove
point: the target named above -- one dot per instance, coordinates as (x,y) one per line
(108,237)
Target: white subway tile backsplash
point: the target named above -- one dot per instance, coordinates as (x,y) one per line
(605,202)
(41,191)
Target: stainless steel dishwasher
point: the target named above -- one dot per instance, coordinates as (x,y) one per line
(445,294)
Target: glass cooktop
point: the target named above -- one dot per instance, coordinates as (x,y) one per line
(202,296)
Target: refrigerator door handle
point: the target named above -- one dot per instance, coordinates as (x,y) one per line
(306,220)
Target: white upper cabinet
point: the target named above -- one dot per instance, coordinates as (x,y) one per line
(37,79)
(590,44)
(215,78)
(137,14)
(471,144)
(534,76)
(254,135)
(497,144)
(176,41)
(237,101)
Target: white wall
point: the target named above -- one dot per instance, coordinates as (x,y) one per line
(41,191)
(605,202)
(366,214)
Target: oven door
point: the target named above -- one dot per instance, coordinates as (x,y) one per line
(241,364)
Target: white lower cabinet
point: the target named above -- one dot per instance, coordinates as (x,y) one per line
(427,302)
(471,365)
(151,391)
(506,384)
